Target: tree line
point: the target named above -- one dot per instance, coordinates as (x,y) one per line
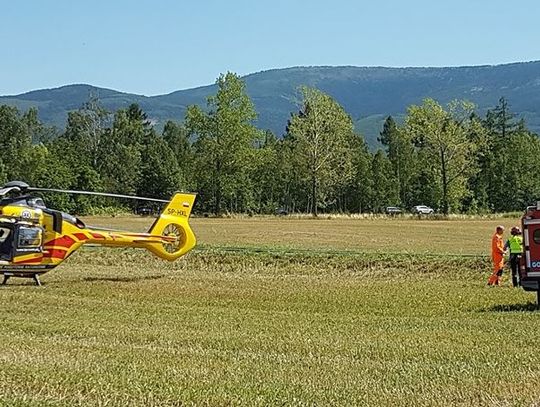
(448,157)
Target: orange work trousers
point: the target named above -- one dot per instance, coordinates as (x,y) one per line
(495,277)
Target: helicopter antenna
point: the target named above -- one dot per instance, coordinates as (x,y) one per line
(74,192)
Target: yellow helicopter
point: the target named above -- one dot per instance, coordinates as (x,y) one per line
(35,239)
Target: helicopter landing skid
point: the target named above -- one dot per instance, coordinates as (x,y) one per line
(35,277)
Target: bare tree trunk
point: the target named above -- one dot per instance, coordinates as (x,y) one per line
(444,183)
(314,195)
(217,204)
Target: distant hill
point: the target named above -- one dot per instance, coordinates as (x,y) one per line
(368,94)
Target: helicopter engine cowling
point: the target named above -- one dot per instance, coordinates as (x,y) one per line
(31,215)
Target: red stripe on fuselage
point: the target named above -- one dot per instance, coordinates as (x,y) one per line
(64,241)
(81,236)
(54,253)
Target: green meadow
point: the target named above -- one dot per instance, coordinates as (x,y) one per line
(273,311)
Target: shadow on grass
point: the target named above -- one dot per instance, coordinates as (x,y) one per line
(22,284)
(124,279)
(25,282)
(519,307)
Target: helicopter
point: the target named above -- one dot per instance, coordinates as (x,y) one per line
(35,239)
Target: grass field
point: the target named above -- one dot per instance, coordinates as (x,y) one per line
(298,322)
(384,235)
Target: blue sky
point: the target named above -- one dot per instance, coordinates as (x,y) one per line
(155,47)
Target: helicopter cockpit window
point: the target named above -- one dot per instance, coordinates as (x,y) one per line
(29,238)
(4,233)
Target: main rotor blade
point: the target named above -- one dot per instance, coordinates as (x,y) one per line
(68,191)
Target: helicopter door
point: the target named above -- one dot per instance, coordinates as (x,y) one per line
(28,240)
(6,241)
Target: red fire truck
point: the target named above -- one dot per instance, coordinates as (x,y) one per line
(530,261)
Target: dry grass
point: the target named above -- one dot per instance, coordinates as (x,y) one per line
(118,327)
(365,235)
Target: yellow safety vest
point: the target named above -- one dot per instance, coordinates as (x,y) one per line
(516,244)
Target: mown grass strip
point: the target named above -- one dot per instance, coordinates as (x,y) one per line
(328,252)
(238,260)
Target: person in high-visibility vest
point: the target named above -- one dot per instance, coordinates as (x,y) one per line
(497,256)
(515,245)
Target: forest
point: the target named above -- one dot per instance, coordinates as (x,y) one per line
(449,157)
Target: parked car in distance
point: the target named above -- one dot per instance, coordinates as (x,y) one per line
(281,211)
(144,211)
(392,210)
(422,210)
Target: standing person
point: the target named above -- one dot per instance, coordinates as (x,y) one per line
(515,244)
(497,255)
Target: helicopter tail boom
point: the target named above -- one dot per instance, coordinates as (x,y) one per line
(173,224)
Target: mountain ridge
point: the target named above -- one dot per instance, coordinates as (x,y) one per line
(368,94)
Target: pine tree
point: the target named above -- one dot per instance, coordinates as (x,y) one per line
(160,174)
(121,151)
(384,186)
(177,138)
(400,152)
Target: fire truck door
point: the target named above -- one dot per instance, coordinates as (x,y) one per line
(531,240)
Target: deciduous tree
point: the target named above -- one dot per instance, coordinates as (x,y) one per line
(323,133)
(442,135)
(225,138)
